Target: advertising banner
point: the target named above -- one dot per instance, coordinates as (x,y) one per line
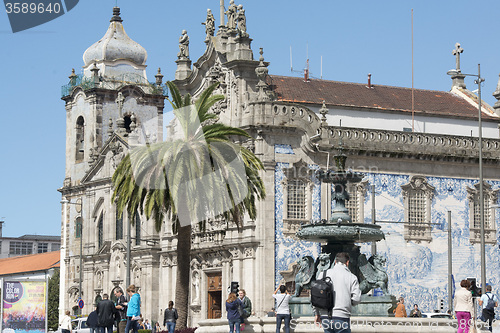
(24,306)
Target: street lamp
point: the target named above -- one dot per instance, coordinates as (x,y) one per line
(478,81)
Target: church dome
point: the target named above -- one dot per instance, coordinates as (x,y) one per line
(115,45)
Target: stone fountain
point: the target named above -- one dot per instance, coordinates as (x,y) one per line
(340,234)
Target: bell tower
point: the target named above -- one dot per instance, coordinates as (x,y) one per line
(110,107)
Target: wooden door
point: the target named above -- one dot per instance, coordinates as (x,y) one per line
(214,289)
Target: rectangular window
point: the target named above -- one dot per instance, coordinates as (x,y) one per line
(352,204)
(119,227)
(137,229)
(486,213)
(20,248)
(296,203)
(416,208)
(43,247)
(55,246)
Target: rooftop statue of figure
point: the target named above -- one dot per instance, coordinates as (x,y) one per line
(231,16)
(242,21)
(209,25)
(183,46)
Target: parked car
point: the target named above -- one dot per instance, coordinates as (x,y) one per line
(437,315)
(79,325)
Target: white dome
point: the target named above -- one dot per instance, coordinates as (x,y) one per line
(115,45)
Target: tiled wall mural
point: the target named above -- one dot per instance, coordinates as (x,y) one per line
(417,271)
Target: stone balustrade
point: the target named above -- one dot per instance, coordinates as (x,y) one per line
(358,325)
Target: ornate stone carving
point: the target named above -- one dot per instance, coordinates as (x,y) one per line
(242,22)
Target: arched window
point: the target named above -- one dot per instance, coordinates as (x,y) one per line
(78,227)
(119,226)
(80,139)
(137,229)
(100,233)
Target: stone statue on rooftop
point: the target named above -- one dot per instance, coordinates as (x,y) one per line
(183,46)
(242,21)
(231,16)
(209,25)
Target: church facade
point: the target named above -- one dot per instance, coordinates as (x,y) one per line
(412,178)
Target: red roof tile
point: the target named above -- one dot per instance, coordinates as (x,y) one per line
(30,263)
(357,95)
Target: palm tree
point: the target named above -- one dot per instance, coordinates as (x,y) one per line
(198,176)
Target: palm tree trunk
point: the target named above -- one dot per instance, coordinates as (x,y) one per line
(182,279)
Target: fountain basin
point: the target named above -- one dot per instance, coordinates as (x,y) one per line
(341,232)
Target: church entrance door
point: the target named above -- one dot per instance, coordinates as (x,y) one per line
(214,295)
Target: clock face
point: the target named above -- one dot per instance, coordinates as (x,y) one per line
(78,205)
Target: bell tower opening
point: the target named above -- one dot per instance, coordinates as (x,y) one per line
(80,139)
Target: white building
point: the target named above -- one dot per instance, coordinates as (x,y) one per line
(294,122)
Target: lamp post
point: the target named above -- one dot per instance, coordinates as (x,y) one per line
(478,81)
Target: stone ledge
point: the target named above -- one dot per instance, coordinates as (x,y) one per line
(358,325)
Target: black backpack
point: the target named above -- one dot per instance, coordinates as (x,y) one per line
(322,293)
(491,303)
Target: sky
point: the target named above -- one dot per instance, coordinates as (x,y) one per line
(349,38)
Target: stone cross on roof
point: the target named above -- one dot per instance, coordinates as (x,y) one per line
(456,53)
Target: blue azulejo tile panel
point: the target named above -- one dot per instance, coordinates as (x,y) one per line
(419,271)
(289,250)
(283,149)
(416,270)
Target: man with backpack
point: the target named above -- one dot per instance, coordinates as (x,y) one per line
(346,293)
(489,302)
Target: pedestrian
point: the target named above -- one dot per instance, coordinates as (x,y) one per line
(416,313)
(92,322)
(156,327)
(65,322)
(233,315)
(246,307)
(121,306)
(106,311)
(283,308)
(488,301)
(133,309)
(400,310)
(463,306)
(347,294)
(170,317)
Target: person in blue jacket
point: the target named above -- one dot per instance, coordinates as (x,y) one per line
(233,303)
(133,309)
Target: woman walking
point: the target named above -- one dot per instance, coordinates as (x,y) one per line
(233,304)
(170,317)
(463,306)
(133,310)
(65,323)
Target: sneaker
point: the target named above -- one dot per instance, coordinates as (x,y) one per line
(242,327)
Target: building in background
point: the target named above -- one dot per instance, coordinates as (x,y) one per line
(27,244)
(418,148)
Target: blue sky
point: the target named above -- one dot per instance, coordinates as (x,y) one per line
(354,38)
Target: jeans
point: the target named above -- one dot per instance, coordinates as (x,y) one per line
(286,318)
(336,325)
(102,329)
(121,326)
(170,326)
(131,325)
(234,325)
(463,319)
